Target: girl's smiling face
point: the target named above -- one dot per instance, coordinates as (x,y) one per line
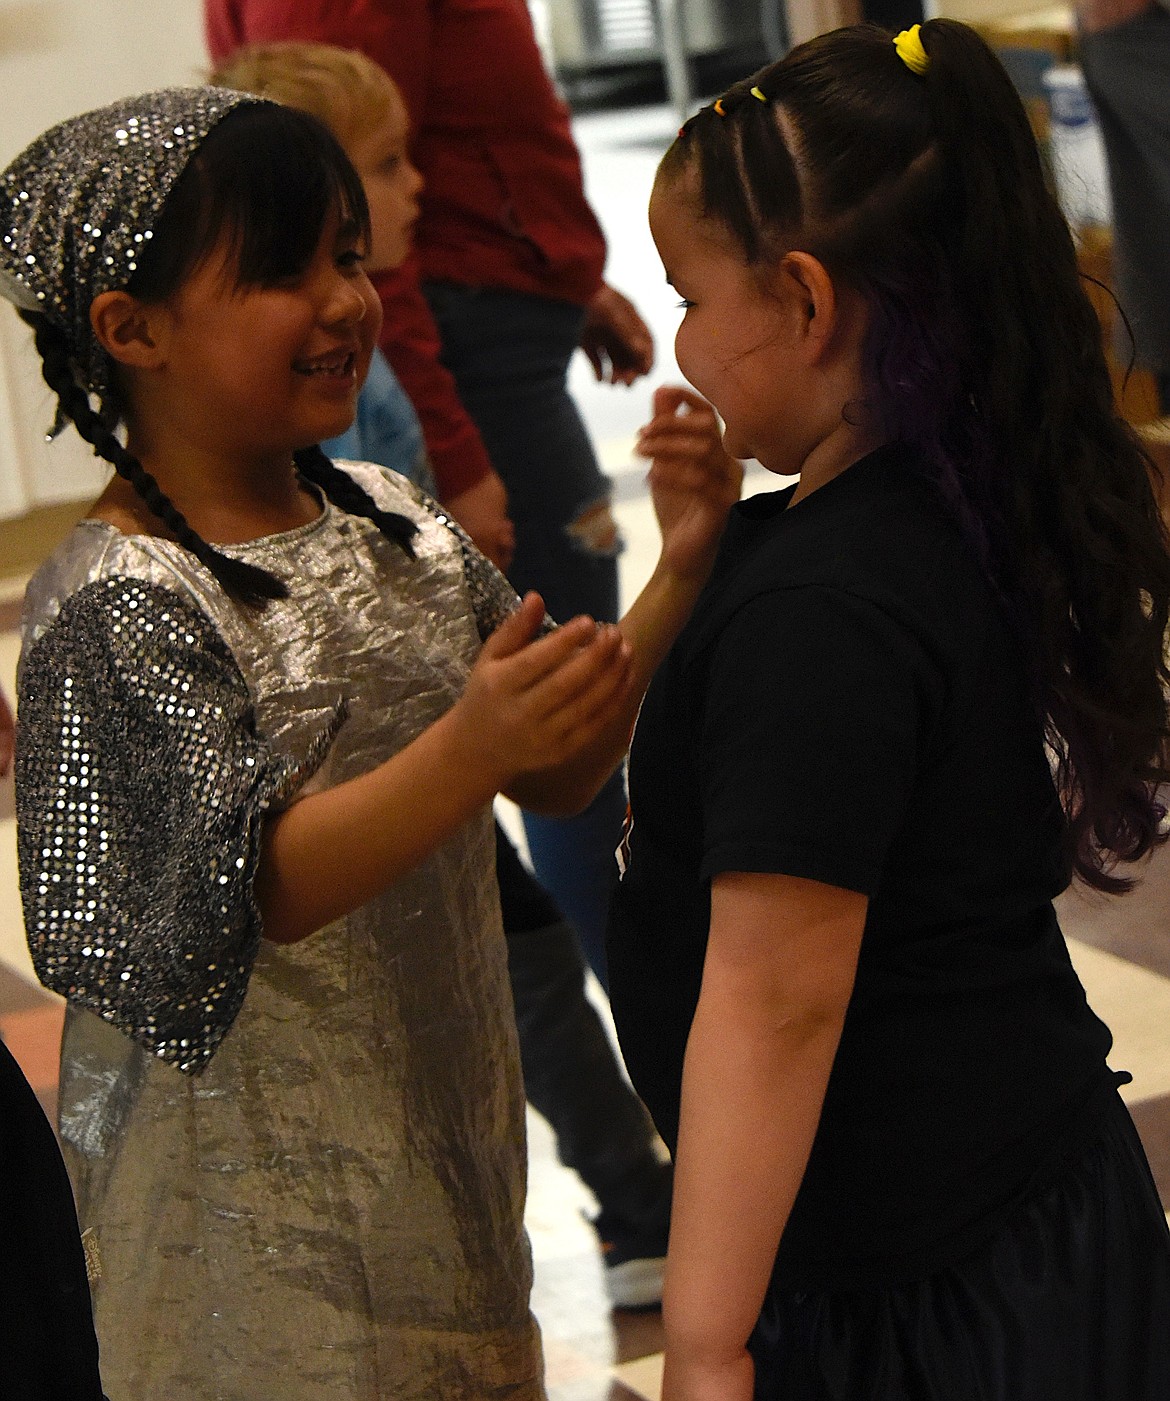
(257,371)
(736,341)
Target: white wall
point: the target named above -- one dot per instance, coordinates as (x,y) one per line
(57,58)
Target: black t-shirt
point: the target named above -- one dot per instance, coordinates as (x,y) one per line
(848,704)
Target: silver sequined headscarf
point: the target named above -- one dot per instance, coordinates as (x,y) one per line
(78,206)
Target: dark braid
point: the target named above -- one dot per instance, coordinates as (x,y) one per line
(244,582)
(344,492)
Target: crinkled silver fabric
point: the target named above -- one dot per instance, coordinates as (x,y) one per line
(492,597)
(332,1207)
(78,205)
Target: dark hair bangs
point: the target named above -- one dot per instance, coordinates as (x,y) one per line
(265,181)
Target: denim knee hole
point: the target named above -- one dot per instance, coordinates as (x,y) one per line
(594,531)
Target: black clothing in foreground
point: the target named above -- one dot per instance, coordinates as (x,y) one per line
(847,704)
(48,1350)
(1070,1301)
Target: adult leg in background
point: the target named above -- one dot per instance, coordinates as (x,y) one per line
(572,1077)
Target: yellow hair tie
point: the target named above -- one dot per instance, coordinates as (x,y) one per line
(757,93)
(719,112)
(910,50)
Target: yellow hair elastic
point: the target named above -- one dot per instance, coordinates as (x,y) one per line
(910,50)
(719,112)
(758,94)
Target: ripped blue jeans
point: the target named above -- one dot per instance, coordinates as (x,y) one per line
(509,353)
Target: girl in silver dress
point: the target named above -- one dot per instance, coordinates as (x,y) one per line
(265,704)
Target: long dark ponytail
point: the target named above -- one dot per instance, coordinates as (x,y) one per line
(927,193)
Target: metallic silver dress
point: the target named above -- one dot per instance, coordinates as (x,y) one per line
(302,1167)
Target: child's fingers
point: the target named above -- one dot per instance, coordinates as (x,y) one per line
(578,722)
(699,413)
(531,665)
(579,699)
(673,401)
(716,475)
(669,398)
(700,426)
(701,420)
(518,628)
(596,668)
(680,438)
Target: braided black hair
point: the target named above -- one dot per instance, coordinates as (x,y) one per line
(315,466)
(245,582)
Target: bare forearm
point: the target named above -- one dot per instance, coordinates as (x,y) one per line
(527,702)
(751,1101)
(777,978)
(649,628)
(333,851)
(693,483)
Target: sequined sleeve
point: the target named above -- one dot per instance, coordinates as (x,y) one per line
(492,596)
(141,784)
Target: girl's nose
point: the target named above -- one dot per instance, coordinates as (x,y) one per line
(346,303)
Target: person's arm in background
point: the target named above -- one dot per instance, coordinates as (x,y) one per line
(467,483)
(398,37)
(1093,16)
(615,339)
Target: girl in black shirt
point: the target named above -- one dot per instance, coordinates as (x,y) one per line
(920,690)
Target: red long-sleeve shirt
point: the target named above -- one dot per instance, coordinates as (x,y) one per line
(503,205)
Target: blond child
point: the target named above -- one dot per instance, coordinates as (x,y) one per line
(361,106)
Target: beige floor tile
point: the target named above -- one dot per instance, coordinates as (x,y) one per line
(643,1376)
(1135,1004)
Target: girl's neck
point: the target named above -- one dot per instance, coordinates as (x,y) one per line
(846,444)
(225,503)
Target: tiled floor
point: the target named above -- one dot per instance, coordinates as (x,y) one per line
(1121,947)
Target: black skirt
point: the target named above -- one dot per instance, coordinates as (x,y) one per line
(1069,1302)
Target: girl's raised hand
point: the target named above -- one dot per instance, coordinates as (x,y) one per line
(534,702)
(694,482)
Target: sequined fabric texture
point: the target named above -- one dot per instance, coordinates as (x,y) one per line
(81,203)
(332,1206)
(145,674)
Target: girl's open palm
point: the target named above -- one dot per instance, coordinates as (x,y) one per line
(534,702)
(694,482)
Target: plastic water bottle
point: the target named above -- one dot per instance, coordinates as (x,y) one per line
(1078,153)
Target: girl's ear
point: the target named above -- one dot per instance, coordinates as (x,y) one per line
(806,281)
(125,329)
